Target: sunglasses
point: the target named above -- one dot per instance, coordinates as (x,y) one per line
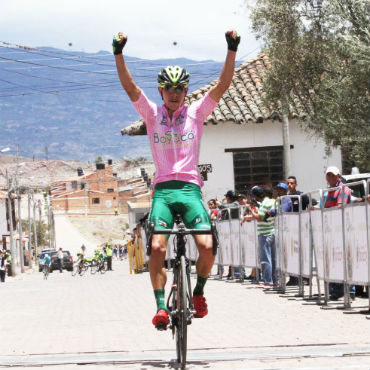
(174,88)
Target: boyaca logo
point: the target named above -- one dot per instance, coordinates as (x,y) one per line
(172,136)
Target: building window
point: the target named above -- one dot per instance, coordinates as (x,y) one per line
(256,166)
(110,190)
(96,200)
(74,184)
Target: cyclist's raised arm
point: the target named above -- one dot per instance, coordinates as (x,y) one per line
(132,90)
(227,72)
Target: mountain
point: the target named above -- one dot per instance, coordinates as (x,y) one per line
(66,105)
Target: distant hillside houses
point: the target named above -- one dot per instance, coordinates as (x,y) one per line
(99,192)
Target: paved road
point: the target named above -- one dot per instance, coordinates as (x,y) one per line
(69,238)
(104,321)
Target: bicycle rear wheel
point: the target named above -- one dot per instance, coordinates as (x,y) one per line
(94,267)
(182,310)
(46,273)
(83,268)
(75,269)
(103,268)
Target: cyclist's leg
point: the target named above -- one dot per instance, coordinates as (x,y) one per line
(196,217)
(162,217)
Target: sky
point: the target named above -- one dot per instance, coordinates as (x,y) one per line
(155,28)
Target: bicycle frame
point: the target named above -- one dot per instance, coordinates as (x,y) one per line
(180,300)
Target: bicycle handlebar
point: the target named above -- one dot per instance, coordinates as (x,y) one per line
(182,231)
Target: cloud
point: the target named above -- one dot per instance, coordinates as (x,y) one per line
(197,26)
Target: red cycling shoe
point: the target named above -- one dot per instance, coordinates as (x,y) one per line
(200,306)
(161,320)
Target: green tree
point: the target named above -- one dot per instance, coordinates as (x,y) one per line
(42,230)
(98,159)
(320,62)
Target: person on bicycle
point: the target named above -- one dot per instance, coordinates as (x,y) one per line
(80,259)
(46,261)
(175,132)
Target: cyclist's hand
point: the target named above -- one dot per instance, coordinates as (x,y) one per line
(232,39)
(119,41)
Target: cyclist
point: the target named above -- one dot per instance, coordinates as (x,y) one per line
(46,261)
(175,131)
(80,259)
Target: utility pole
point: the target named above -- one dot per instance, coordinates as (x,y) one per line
(29,231)
(21,249)
(10,210)
(34,225)
(286,136)
(286,146)
(53,228)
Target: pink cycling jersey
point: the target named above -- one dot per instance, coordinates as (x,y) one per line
(175,143)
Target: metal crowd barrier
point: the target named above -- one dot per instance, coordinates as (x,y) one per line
(329,244)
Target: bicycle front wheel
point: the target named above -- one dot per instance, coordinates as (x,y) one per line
(182,311)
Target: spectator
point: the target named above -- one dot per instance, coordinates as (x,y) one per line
(266,235)
(282,190)
(292,190)
(3,266)
(232,203)
(242,199)
(60,259)
(252,204)
(212,205)
(335,198)
(8,257)
(109,252)
(116,211)
(287,206)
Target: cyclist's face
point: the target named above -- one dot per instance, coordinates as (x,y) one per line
(173,97)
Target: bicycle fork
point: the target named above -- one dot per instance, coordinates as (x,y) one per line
(171,300)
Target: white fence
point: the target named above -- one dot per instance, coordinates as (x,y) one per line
(333,242)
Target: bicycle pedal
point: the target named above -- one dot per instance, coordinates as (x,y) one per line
(161,326)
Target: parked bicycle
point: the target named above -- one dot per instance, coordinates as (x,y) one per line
(180,300)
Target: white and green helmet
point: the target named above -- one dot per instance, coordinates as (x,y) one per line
(173,75)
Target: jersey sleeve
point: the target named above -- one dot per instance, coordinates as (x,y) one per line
(202,108)
(146,108)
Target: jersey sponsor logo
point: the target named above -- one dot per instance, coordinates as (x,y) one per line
(164,121)
(162,223)
(179,121)
(172,137)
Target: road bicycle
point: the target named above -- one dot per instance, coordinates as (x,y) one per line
(180,300)
(99,266)
(80,267)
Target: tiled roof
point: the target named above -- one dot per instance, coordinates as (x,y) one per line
(241,104)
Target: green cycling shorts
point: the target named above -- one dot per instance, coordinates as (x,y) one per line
(178,197)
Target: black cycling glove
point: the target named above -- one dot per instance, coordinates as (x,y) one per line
(117,44)
(232,43)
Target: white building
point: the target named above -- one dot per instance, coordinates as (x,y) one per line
(242,141)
